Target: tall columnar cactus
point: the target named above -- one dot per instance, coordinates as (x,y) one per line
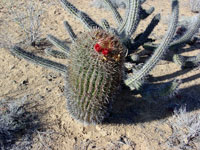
(96,59)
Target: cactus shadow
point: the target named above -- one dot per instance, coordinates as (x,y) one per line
(190,48)
(176,74)
(132,109)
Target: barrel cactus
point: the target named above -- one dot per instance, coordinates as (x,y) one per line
(96,71)
(102,59)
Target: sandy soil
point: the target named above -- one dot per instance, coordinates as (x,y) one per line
(134,123)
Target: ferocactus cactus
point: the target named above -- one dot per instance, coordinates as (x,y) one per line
(103,58)
(96,71)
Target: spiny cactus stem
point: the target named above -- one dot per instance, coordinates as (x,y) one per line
(159,52)
(58,43)
(189,34)
(116,14)
(171,89)
(187,62)
(71,33)
(133,18)
(69,7)
(39,60)
(55,53)
(121,28)
(83,17)
(165,90)
(181,41)
(105,24)
(87,21)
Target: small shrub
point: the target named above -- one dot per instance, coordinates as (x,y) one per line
(22,23)
(195,5)
(18,124)
(186,130)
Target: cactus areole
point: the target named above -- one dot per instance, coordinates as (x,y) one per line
(94,75)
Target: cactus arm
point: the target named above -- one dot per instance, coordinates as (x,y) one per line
(142,39)
(122,27)
(116,14)
(195,59)
(150,46)
(183,40)
(133,18)
(187,62)
(105,24)
(38,60)
(135,80)
(145,13)
(71,33)
(178,59)
(166,90)
(87,21)
(58,43)
(83,17)
(189,34)
(55,53)
(69,7)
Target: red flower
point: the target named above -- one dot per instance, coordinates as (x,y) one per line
(97,47)
(105,51)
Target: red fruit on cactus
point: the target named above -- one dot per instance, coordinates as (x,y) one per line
(97,47)
(105,51)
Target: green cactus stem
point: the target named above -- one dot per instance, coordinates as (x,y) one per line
(135,80)
(71,33)
(160,91)
(39,60)
(187,61)
(174,45)
(94,76)
(56,54)
(116,14)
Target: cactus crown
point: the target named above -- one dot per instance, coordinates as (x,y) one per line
(97,57)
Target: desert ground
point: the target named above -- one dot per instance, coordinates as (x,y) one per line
(134,124)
